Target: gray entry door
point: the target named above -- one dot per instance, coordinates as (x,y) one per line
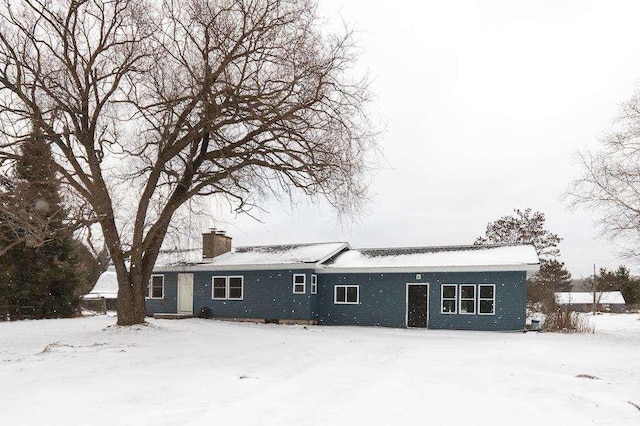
(417,305)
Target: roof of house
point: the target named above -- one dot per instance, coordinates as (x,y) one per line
(179,256)
(579,297)
(278,254)
(509,257)
(335,257)
(273,256)
(106,286)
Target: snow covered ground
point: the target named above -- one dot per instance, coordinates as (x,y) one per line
(205,372)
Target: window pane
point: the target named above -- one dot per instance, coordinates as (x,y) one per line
(486,292)
(352,294)
(467,291)
(314,279)
(341,294)
(156,286)
(298,288)
(298,279)
(235,293)
(235,282)
(219,288)
(157,292)
(449,306)
(467,306)
(449,291)
(486,306)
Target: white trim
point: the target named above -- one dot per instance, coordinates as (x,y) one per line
(213,287)
(406,303)
(423,269)
(460,299)
(493,299)
(303,283)
(346,286)
(227,287)
(150,293)
(314,283)
(529,268)
(241,287)
(455,299)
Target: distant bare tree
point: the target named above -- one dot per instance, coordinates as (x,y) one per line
(610,180)
(187,98)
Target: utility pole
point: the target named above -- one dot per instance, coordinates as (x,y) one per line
(594,289)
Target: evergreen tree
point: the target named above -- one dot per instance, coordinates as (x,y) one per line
(552,277)
(527,227)
(38,273)
(619,280)
(524,227)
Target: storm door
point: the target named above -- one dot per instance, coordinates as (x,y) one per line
(417,305)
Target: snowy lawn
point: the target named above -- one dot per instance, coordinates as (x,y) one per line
(205,372)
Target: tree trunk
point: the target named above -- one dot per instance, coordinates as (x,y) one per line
(130,302)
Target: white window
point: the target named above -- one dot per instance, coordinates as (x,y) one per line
(156,287)
(347,295)
(235,285)
(314,284)
(219,290)
(227,288)
(449,299)
(486,299)
(467,299)
(299,283)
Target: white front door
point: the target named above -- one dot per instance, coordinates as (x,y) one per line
(185,293)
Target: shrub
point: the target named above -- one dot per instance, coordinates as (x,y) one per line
(567,321)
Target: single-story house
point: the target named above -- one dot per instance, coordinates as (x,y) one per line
(457,287)
(104,293)
(582,301)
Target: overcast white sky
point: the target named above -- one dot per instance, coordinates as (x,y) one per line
(484,104)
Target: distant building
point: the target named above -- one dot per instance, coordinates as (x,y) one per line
(582,301)
(104,294)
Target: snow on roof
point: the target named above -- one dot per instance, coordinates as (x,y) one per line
(106,286)
(578,297)
(438,257)
(179,257)
(279,254)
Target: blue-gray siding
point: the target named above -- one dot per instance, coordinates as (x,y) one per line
(269,295)
(383,300)
(266,295)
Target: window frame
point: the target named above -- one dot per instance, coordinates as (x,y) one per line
(493,299)
(346,302)
(303,283)
(227,287)
(461,299)
(150,289)
(454,298)
(213,287)
(314,283)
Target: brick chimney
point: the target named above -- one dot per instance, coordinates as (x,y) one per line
(215,243)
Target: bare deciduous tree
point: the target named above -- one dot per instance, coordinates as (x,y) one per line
(610,180)
(220,98)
